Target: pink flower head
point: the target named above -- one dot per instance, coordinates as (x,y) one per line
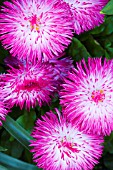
(86,13)
(28,85)
(59,145)
(3,112)
(35,29)
(87,96)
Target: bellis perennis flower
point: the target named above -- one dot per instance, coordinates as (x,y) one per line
(28,85)
(86,13)
(59,145)
(35,28)
(87,97)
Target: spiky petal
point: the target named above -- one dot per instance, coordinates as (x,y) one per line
(87,96)
(3,112)
(4,109)
(35,28)
(59,145)
(86,13)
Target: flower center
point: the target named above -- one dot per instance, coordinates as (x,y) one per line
(68,147)
(34,23)
(98,96)
(30,85)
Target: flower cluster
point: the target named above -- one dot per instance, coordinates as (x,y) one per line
(36,33)
(87,101)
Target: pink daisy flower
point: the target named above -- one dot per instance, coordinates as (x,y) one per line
(59,145)
(35,29)
(87,96)
(86,13)
(28,85)
(3,112)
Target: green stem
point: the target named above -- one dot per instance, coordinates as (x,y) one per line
(17,132)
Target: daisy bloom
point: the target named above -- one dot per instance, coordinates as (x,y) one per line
(86,13)
(59,145)
(35,28)
(87,96)
(28,85)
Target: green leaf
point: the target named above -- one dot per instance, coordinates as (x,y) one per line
(98,30)
(77,50)
(108,9)
(3,168)
(94,47)
(110,38)
(16,149)
(108,144)
(4,141)
(17,132)
(27,120)
(107,55)
(110,52)
(28,156)
(15,164)
(2,149)
(108,26)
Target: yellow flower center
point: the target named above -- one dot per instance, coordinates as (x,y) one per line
(98,96)
(34,23)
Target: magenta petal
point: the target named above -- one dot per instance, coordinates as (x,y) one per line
(36,29)
(59,145)
(87,96)
(86,13)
